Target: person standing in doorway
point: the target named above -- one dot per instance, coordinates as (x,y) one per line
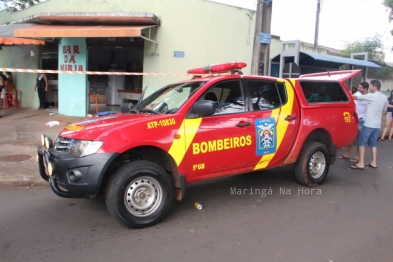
(377,105)
(361,109)
(3,78)
(42,86)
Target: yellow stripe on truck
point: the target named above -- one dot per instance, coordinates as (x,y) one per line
(186,132)
(282,125)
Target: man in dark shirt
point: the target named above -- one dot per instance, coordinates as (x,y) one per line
(2,86)
(321,96)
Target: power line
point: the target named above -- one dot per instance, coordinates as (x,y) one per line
(370,3)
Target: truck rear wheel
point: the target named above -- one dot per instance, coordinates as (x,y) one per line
(313,164)
(139,194)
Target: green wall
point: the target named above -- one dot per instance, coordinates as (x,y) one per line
(207,33)
(73,6)
(20,57)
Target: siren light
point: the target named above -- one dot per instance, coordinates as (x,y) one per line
(218,68)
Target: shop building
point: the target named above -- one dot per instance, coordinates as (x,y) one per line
(122,36)
(157,37)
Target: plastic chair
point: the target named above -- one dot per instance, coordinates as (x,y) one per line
(94,96)
(11,98)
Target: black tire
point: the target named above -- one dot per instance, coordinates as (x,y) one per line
(312,166)
(139,194)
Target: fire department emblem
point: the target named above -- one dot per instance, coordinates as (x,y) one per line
(266,136)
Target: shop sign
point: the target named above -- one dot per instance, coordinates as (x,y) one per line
(265,38)
(178,54)
(71,56)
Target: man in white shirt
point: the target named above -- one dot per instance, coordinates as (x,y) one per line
(377,105)
(361,109)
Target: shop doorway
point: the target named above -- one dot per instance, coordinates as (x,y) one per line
(49,61)
(104,92)
(114,55)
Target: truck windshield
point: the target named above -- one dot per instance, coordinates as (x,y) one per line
(168,99)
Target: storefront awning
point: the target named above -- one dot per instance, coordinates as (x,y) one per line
(56,31)
(327,61)
(8,30)
(20,41)
(7,36)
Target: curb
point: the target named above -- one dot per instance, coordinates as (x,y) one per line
(16,119)
(27,181)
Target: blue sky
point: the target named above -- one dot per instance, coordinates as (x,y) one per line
(340,21)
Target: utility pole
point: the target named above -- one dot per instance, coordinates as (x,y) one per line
(317,23)
(260,55)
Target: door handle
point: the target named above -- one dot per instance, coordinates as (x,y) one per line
(243,124)
(288,118)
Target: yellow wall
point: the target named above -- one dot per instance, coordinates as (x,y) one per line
(207,33)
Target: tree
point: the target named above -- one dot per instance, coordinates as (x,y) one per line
(22,4)
(19,4)
(374,47)
(389,6)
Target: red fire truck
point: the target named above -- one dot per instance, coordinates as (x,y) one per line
(218,123)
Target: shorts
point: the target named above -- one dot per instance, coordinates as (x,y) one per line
(370,135)
(360,126)
(389,116)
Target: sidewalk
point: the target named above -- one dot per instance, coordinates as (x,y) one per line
(20,135)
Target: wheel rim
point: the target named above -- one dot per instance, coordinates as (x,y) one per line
(143,196)
(316,165)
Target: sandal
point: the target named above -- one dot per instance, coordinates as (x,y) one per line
(355,167)
(369,165)
(381,139)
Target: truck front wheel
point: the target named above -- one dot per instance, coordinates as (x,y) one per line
(313,164)
(139,194)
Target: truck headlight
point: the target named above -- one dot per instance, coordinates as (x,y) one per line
(80,148)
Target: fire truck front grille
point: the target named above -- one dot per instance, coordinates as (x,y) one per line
(62,144)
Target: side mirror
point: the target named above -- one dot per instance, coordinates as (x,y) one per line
(204,108)
(126,107)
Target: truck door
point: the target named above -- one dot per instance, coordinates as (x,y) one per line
(221,144)
(275,113)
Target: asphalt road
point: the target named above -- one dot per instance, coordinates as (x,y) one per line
(348,218)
